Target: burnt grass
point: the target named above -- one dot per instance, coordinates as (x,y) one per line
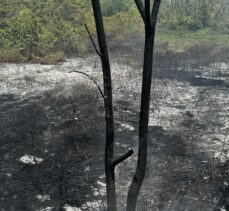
(68,133)
(176,176)
(46,127)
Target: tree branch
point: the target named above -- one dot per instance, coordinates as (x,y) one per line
(141,8)
(154,13)
(147,13)
(122,158)
(97,85)
(93,43)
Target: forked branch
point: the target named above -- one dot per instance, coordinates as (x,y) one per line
(141,8)
(154,13)
(147,13)
(139,175)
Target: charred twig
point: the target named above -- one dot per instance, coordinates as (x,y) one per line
(97,85)
(93,43)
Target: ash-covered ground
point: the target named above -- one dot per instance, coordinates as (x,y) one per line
(52,135)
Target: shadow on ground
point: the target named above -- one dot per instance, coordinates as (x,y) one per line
(65,130)
(179,176)
(193,77)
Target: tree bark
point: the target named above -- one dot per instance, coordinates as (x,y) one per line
(143,123)
(109,148)
(110,162)
(150,23)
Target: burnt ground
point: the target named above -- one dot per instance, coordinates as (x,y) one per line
(46,127)
(57,116)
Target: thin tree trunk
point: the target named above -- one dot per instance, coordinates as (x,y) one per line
(109,148)
(150,24)
(143,123)
(110,163)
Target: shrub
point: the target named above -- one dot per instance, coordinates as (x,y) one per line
(53,58)
(11,55)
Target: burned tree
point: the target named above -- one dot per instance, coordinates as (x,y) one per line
(110,162)
(149,18)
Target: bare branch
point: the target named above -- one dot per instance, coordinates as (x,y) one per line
(122,158)
(97,85)
(93,43)
(154,13)
(147,13)
(141,8)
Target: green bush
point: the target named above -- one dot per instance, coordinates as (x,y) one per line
(35,29)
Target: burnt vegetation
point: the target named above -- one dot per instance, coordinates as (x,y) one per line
(53,127)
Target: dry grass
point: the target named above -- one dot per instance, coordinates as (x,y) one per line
(10,55)
(53,58)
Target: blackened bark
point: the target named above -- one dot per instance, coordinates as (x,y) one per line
(110,163)
(143,123)
(109,148)
(150,23)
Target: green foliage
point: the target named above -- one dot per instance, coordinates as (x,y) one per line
(111,7)
(194,14)
(23,30)
(40,28)
(124,25)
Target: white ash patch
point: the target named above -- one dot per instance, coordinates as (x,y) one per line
(128,126)
(101,184)
(87,169)
(43,198)
(9,175)
(30,159)
(93,205)
(46,209)
(70,208)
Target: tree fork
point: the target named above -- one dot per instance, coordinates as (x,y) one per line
(150,24)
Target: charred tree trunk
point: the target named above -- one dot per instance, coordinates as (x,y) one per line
(143,125)
(109,170)
(150,24)
(110,162)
